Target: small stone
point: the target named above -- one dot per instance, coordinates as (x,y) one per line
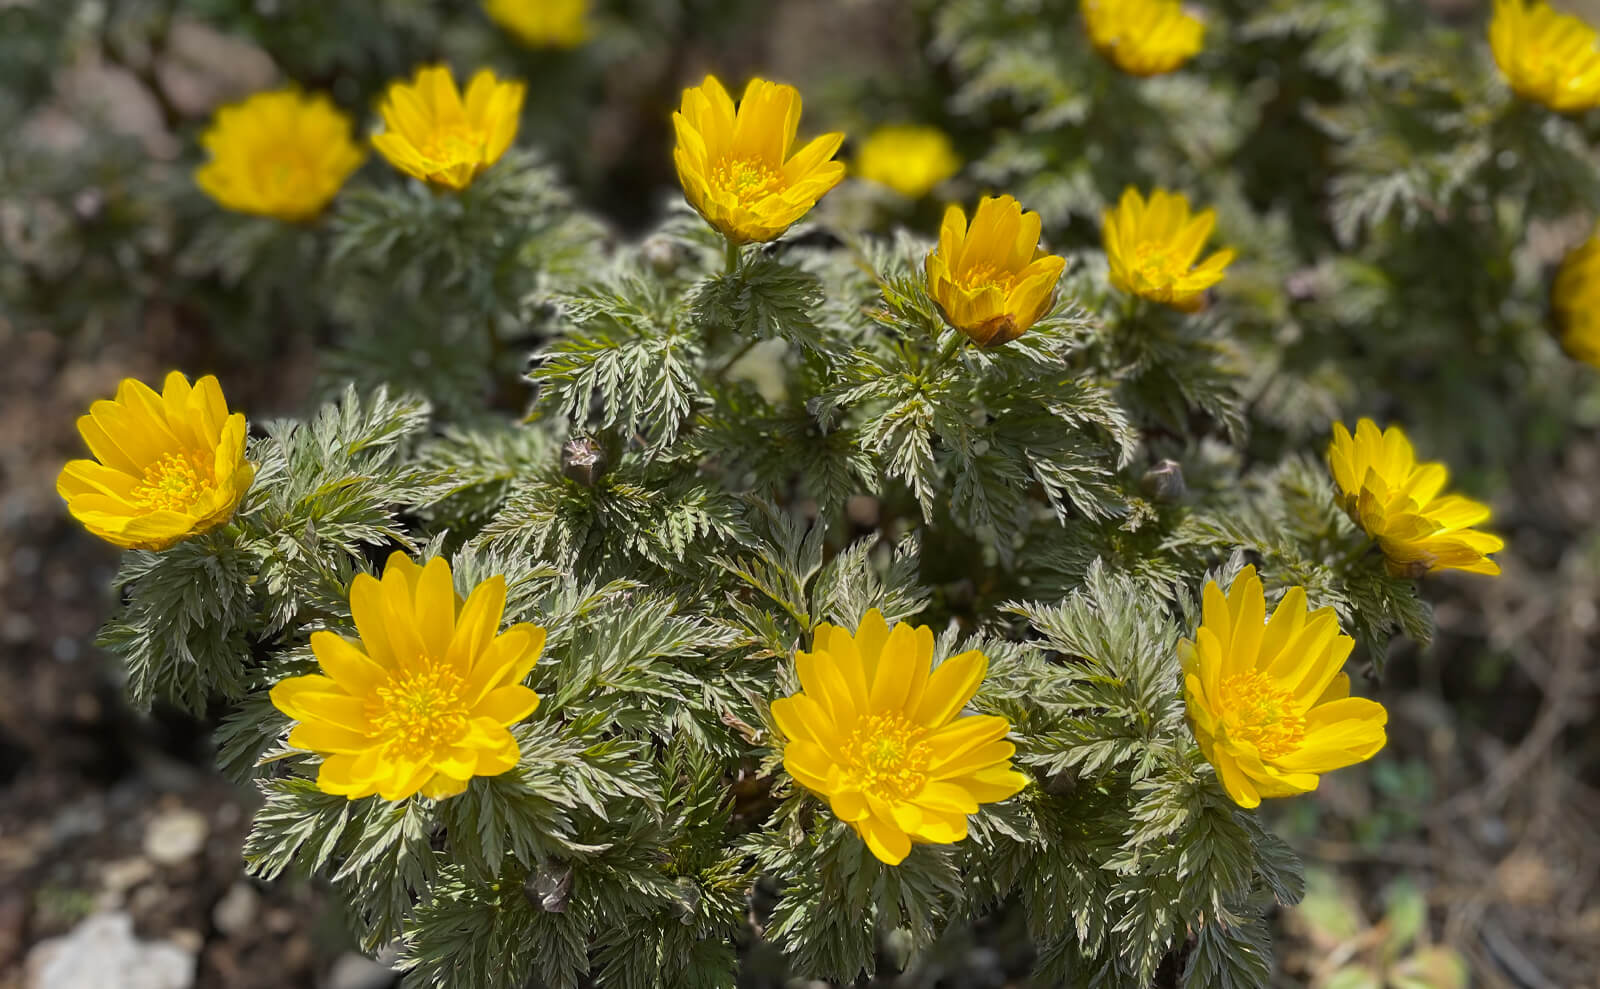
(175,836)
(235,913)
(863,510)
(124,874)
(102,953)
(353,971)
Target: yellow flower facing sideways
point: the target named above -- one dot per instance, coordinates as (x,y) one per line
(1547,57)
(882,738)
(991,278)
(423,702)
(1143,37)
(909,159)
(1152,247)
(1267,701)
(543,23)
(735,164)
(1575,299)
(432,133)
(1397,501)
(166,466)
(283,154)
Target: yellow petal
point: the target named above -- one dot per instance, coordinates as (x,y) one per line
(951,687)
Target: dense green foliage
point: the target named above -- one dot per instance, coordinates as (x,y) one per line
(682,466)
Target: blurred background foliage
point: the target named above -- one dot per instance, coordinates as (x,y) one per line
(1398,215)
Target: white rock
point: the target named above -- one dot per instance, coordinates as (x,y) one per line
(236,912)
(353,971)
(102,953)
(175,836)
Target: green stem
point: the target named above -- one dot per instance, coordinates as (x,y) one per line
(946,355)
(731,256)
(1356,555)
(733,358)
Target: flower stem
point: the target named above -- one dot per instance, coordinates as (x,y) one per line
(1357,554)
(946,355)
(731,255)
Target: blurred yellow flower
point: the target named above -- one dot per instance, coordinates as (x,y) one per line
(883,740)
(1267,701)
(1547,57)
(735,167)
(1575,298)
(909,159)
(1397,501)
(991,279)
(283,154)
(431,133)
(422,703)
(543,23)
(166,466)
(1143,37)
(1152,248)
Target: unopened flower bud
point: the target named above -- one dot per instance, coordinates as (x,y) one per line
(584,460)
(1164,482)
(549,888)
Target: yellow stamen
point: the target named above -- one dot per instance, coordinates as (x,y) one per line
(749,180)
(1258,711)
(888,756)
(421,712)
(174,483)
(984,274)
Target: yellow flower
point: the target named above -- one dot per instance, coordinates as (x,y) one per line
(1547,57)
(882,740)
(909,159)
(991,279)
(1152,248)
(283,154)
(736,169)
(543,23)
(1397,501)
(1575,298)
(422,703)
(432,134)
(1143,37)
(1267,701)
(166,466)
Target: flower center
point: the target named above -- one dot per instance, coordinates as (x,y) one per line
(748,180)
(453,145)
(887,755)
(287,173)
(1153,264)
(1258,711)
(985,273)
(174,483)
(420,712)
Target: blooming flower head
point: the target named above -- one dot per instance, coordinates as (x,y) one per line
(1397,501)
(432,133)
(422,703)
(909,159)
(1267,701)
(735,165)
(1152,247)
(1547,57)
(543,23)
(166,466)
(1575,298)
(283,154)
(883,739)
(991,279)
(1143,37)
